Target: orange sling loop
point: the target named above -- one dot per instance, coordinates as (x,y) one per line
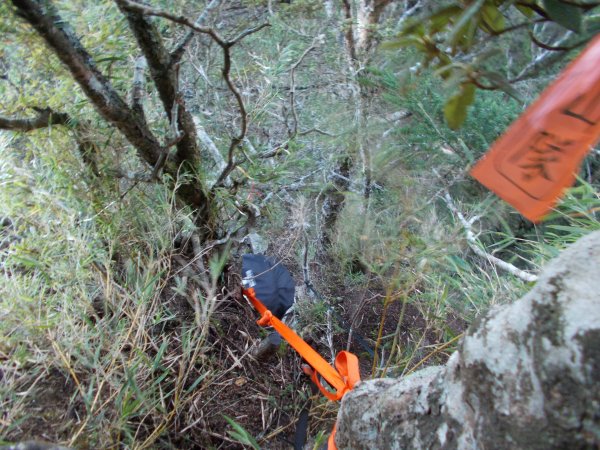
(342,380)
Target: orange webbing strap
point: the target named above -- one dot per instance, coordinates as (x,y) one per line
(346,364)
(342,380)
(331,441)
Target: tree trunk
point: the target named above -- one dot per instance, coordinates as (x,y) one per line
(164,70)
(358,43)
(166,79)
(525,376)
(59,36)
(43,17)
(368,13)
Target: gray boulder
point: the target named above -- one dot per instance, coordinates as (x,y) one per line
(526,376)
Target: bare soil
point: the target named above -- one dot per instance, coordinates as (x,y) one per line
(50,415)
(265,398)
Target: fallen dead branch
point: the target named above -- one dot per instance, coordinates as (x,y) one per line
(476,246)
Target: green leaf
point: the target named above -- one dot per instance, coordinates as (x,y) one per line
(217,262)
(468,35)
(592,25)
(525,10)
(28,262)
(455,109)
(413,27)
(159,355)
(502,83)
(569,16)
(445,70)
(462,25)
(197,382)
(240,434)
(458,263)
(110,59)
(404,42)
(492,18)
(440,19)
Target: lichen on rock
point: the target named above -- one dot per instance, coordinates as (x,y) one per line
(525,376)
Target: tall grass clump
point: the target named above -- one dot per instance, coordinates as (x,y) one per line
(97,347)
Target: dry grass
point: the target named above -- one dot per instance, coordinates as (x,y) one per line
(118,330)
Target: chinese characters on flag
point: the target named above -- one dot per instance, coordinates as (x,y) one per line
(540,153)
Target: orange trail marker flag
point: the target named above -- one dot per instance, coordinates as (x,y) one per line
(538,156)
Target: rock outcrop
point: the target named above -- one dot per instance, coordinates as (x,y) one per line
(526,376)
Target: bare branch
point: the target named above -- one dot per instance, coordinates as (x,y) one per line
(162,160)
(225,45)
(165,76)
(176,134)
(59,36)
(44,118)
(43,17)
(179,49)
(237,140)
(148,11)
(316,41)
(276,150)
(209,145)
(247,32)
(475,246)
(317,130)
(552,48)
(250,146)
(546,59)
(201,71)
(493,34)
(409,12)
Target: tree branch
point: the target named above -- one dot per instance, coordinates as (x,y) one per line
(44,118)
(47,117)
(137,90)
(42,15)
(247,32)
(317,130)
(493,34)
(546,59)
(179,49)
(237,140)
(276,150)
(552,48)
(225,45)
(368,13)
(182,20)
(209,144)
(59,36)
(165,76)
(318,39)
(349,33)
(406,14)
(475,246)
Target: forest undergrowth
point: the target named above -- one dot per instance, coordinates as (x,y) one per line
(102,345)
(118,330)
